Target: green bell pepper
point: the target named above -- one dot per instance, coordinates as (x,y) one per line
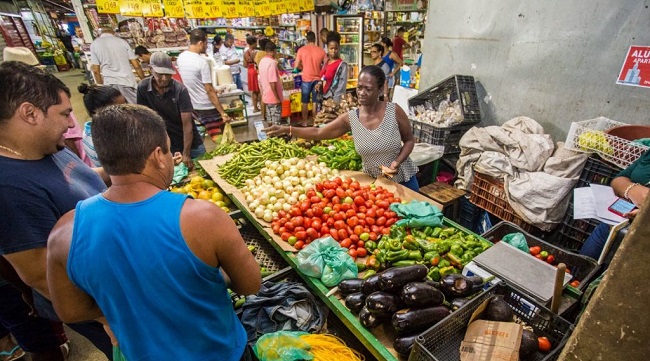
(436,232)
(432,258)
(415,255)
(370,246)
(369,273)
(410,243)
(426,246)
(447,271)
(456,250)
(428,230)
(403,263)
(394,244)
(444,263)
(394,256)
(434,274)
(397,232)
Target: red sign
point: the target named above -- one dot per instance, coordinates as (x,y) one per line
(636,68)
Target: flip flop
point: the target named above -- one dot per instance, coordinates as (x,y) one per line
(16,353)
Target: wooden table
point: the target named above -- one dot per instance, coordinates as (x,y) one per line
(448,196)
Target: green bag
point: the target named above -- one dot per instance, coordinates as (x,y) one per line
(324,258)
(517,240)
(417,214)
(282,346)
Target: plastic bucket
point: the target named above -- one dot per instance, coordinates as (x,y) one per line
(286,108)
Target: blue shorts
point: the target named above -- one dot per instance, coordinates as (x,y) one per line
(307,89)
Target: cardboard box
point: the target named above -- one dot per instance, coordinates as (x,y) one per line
(490,340)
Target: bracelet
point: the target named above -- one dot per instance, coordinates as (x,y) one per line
(627,191)
(290,132)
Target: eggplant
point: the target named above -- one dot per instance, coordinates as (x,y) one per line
(413,320)
(370,320)
(393,279)
(350,286)
(529,345)
(457,303)
(456,285)
(404,344)
(355,301)
(421,294)
(370,285)
(498,310)
(383,303)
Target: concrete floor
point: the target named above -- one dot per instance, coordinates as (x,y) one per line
(80,348)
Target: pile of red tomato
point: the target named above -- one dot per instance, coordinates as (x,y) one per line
(349,212)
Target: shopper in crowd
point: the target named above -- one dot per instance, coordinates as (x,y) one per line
(381,131)
(394,62)
(66,40)
(323,37)
(261,53)
(334,74)
(375,53)
(45,340)
(112,61)
(197,77)
(309,59)
(249,63)
(171,101)
(78,39)
(271,84)
(632,184)
(230,57)
(399,44)
(144,55)
(217,41)
(96,97)
(180,269)
(40,179)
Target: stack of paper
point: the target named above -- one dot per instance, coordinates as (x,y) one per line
(593,202)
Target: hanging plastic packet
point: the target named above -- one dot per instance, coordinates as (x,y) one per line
(259,127)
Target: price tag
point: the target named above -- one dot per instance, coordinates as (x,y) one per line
(273,7)
(194,9)
(131,7)
(245,9)
(152,8)
(213,9)
(281,8)
(262,8)
(293,6)
(307,5)
(108,6)
(174,8)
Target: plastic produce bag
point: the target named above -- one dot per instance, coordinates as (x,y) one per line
(282,346)
(517,240)
(417,214)
(180,172)
(424,153)
(228,135)
(324,258)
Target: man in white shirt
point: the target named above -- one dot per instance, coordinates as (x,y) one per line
(230,57)
(111,61)
(195,71)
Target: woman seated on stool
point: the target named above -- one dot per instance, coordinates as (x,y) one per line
(381,130)
(632,184)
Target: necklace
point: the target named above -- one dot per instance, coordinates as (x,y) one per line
(11,150)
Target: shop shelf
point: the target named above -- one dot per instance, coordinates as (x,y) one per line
(488,193)
(442,341)
(582,268)
(447,137)
(592,136)
(456,87)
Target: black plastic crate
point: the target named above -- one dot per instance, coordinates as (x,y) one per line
(582,268)
(597,171)
(447,137)
(453,88)
(442,341)
(572,233)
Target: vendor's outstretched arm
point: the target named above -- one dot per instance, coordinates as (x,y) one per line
(335,129)
(406,134)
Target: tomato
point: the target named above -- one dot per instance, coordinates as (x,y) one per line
(390,221)
(539,256)
(285,236)
(339,224)
(355,185)
(309,213)
(327,210)
(282,214)
(312,233)
(353,253)
(354,238)
(289,226)
(550,259)
(381,221)
(334,233)
(292,240)
(329,193)
(336,200)
(361,252)
(316,223)
(375,229)
(298,221)
(544,254)
(340,192)
(350,213)
(299,245)
(358,200)
(535,250)
(370,221)
(330,221)
(363,209)
(380,212)
(353,221)
(390,214)
(345,243)
(373,236)
(345,207)
(314,199)
(304,206)
(368,204)
(544,344)
(343,234)
(319,187)
(295,211)
(575,283)
(318,211)
(361,243)
(324,230)
(276,228)
(329,185)
(282,230)
(349,193)
(362,221)
(385,230)
(358,230)
(310,193)
(364,236)
(339,216)
(301,235)
(299,229)
(371,213)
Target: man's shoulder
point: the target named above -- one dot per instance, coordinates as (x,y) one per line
(144,84)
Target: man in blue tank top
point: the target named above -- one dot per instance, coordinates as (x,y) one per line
(154,263)
(40,181)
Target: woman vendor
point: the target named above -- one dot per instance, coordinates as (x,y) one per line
(381,130)
(632,184)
